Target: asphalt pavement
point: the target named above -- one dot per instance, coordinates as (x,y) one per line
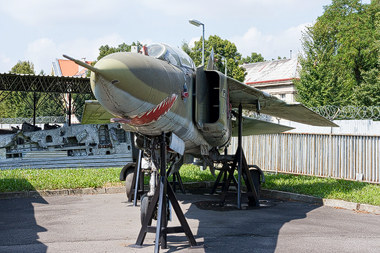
(108,223)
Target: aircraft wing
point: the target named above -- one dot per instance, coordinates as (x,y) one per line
(254,127)
(94,113)
(250,97)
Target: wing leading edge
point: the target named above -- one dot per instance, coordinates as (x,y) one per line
(252,99)
(94,113)
(255,127)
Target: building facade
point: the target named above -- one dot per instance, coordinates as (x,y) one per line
(274,77)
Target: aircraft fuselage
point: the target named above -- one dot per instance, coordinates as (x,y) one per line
(151,95)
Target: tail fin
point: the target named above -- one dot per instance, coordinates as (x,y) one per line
(83,64)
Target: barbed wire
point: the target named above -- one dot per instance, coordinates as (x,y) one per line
(331,112)
(39,120)
(348,112)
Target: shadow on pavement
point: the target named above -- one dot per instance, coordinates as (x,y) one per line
(18,226)
(252,229)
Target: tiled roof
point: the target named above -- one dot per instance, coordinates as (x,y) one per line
(271,71)
(70,68)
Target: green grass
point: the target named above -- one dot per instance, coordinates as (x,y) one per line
(47,179)
(192,173)
(51,179)
(329,188)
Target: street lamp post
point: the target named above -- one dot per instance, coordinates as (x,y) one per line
(197,23)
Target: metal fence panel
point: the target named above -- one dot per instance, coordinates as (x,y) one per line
(337,156)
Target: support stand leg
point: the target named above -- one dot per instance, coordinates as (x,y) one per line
(240,163)
(137,173)
(178,180)
(163,191)
(221,173)
(137,185)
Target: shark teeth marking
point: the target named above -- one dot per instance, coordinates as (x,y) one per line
(156,112)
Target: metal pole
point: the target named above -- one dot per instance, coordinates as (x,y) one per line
(34,108)
(203,45)
(240,161)
(69,109)
(138,172)
(161,212)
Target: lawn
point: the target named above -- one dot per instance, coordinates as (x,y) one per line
(50,179)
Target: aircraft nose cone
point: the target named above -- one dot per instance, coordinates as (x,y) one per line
(118,86)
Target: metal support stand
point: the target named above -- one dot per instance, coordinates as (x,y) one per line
(163,191)
(225,171)
(137,186)
(239,153)
(239,163)
(177,180)
(139,177)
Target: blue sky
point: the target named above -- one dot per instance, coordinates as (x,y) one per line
(42,30)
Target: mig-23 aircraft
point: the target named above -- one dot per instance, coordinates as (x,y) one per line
(179,112)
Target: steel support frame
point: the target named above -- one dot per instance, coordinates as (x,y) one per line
(177,180)
(138,178)
(44,84)
(164,191)
(239,163)
(137,186)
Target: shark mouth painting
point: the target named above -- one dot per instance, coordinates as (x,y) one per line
(152,115)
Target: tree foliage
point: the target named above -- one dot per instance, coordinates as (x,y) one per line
(23,67)
(106,50)
(340,59)
(222,48)
(255,57)
(368,92)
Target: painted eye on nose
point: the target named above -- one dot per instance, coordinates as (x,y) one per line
(115,81)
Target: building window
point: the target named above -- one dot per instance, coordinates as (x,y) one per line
(49,138)
(104,137)
(20,141)
(283,96)
(121,135)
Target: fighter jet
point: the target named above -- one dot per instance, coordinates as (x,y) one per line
(163,91)
(160,92)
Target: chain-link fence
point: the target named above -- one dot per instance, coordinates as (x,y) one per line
(39,120)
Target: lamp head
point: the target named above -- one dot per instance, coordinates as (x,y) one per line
(195,22)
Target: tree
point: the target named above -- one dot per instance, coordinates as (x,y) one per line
(106,50)
(20,103)
(368,93)
(338,50)
(252,59)
(222,48)
(23,67)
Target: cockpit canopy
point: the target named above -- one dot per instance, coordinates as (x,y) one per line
(171,54)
